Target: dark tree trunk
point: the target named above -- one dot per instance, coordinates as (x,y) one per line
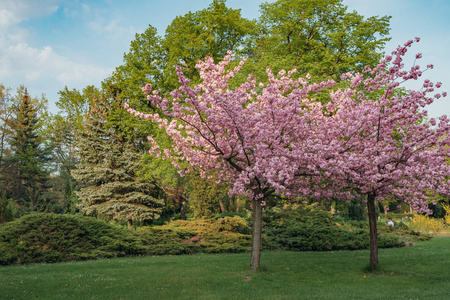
(373,264)
(183,210)
(256,235)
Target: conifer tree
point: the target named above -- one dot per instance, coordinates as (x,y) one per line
(108,168)
(29,154)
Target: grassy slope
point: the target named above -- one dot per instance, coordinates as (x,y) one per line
(419,272)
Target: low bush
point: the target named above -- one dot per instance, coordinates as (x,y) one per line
(54,238)
(301,228)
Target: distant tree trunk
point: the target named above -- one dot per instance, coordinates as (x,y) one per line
(256,235)
(222,206)
(129,223)
(373,231)
(183,209)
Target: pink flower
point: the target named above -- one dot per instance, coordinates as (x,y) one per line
(147,88)
(418,55)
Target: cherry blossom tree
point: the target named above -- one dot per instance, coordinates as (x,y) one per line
(382,144)
(243,134)
(377,142)
(276,138)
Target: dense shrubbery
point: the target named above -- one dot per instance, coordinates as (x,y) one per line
(54,238)
(223,235)
(308,229)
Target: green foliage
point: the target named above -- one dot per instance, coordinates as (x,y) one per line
(304,228)
(109,170)
(53,238)
(207,197)
(357,210)
(7,210)
(28,165)
(319,37)
(208,32)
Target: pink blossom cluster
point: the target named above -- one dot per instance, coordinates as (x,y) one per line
(277,138)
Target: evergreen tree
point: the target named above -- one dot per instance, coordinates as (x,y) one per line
(108,167)
(29,154)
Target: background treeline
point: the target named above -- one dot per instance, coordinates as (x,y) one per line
(91,158)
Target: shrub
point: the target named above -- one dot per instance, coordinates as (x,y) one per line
(427,224)
(304,228)
(53,238)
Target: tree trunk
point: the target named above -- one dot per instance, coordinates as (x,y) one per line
(129,223)
(256,235)
(222,206)
(373,231)
(183,210)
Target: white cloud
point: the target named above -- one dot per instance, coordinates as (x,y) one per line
(12,12)
(40,68)
(22,62)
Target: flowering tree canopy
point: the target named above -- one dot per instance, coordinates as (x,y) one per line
(277,138)
(246,134)
(380,143)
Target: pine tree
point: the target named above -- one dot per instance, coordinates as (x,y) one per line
(29,154)
(108,168)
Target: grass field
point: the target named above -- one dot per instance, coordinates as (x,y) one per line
(418,272)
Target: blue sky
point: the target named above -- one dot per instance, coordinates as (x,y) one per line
(48,44)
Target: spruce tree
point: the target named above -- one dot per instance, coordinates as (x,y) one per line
(108,169)
(29,155)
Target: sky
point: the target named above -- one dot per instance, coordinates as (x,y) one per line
(46,45)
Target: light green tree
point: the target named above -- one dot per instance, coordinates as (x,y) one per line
(319,37)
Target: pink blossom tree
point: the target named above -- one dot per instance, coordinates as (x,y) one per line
(242,134)
(377,142)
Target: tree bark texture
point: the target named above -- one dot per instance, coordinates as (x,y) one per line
(256,235)
(373,231)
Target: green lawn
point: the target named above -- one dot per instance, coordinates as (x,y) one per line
(419,272)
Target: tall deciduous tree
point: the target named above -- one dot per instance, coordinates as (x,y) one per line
(108,168)
(319,37)
(208,32)
(144,63)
